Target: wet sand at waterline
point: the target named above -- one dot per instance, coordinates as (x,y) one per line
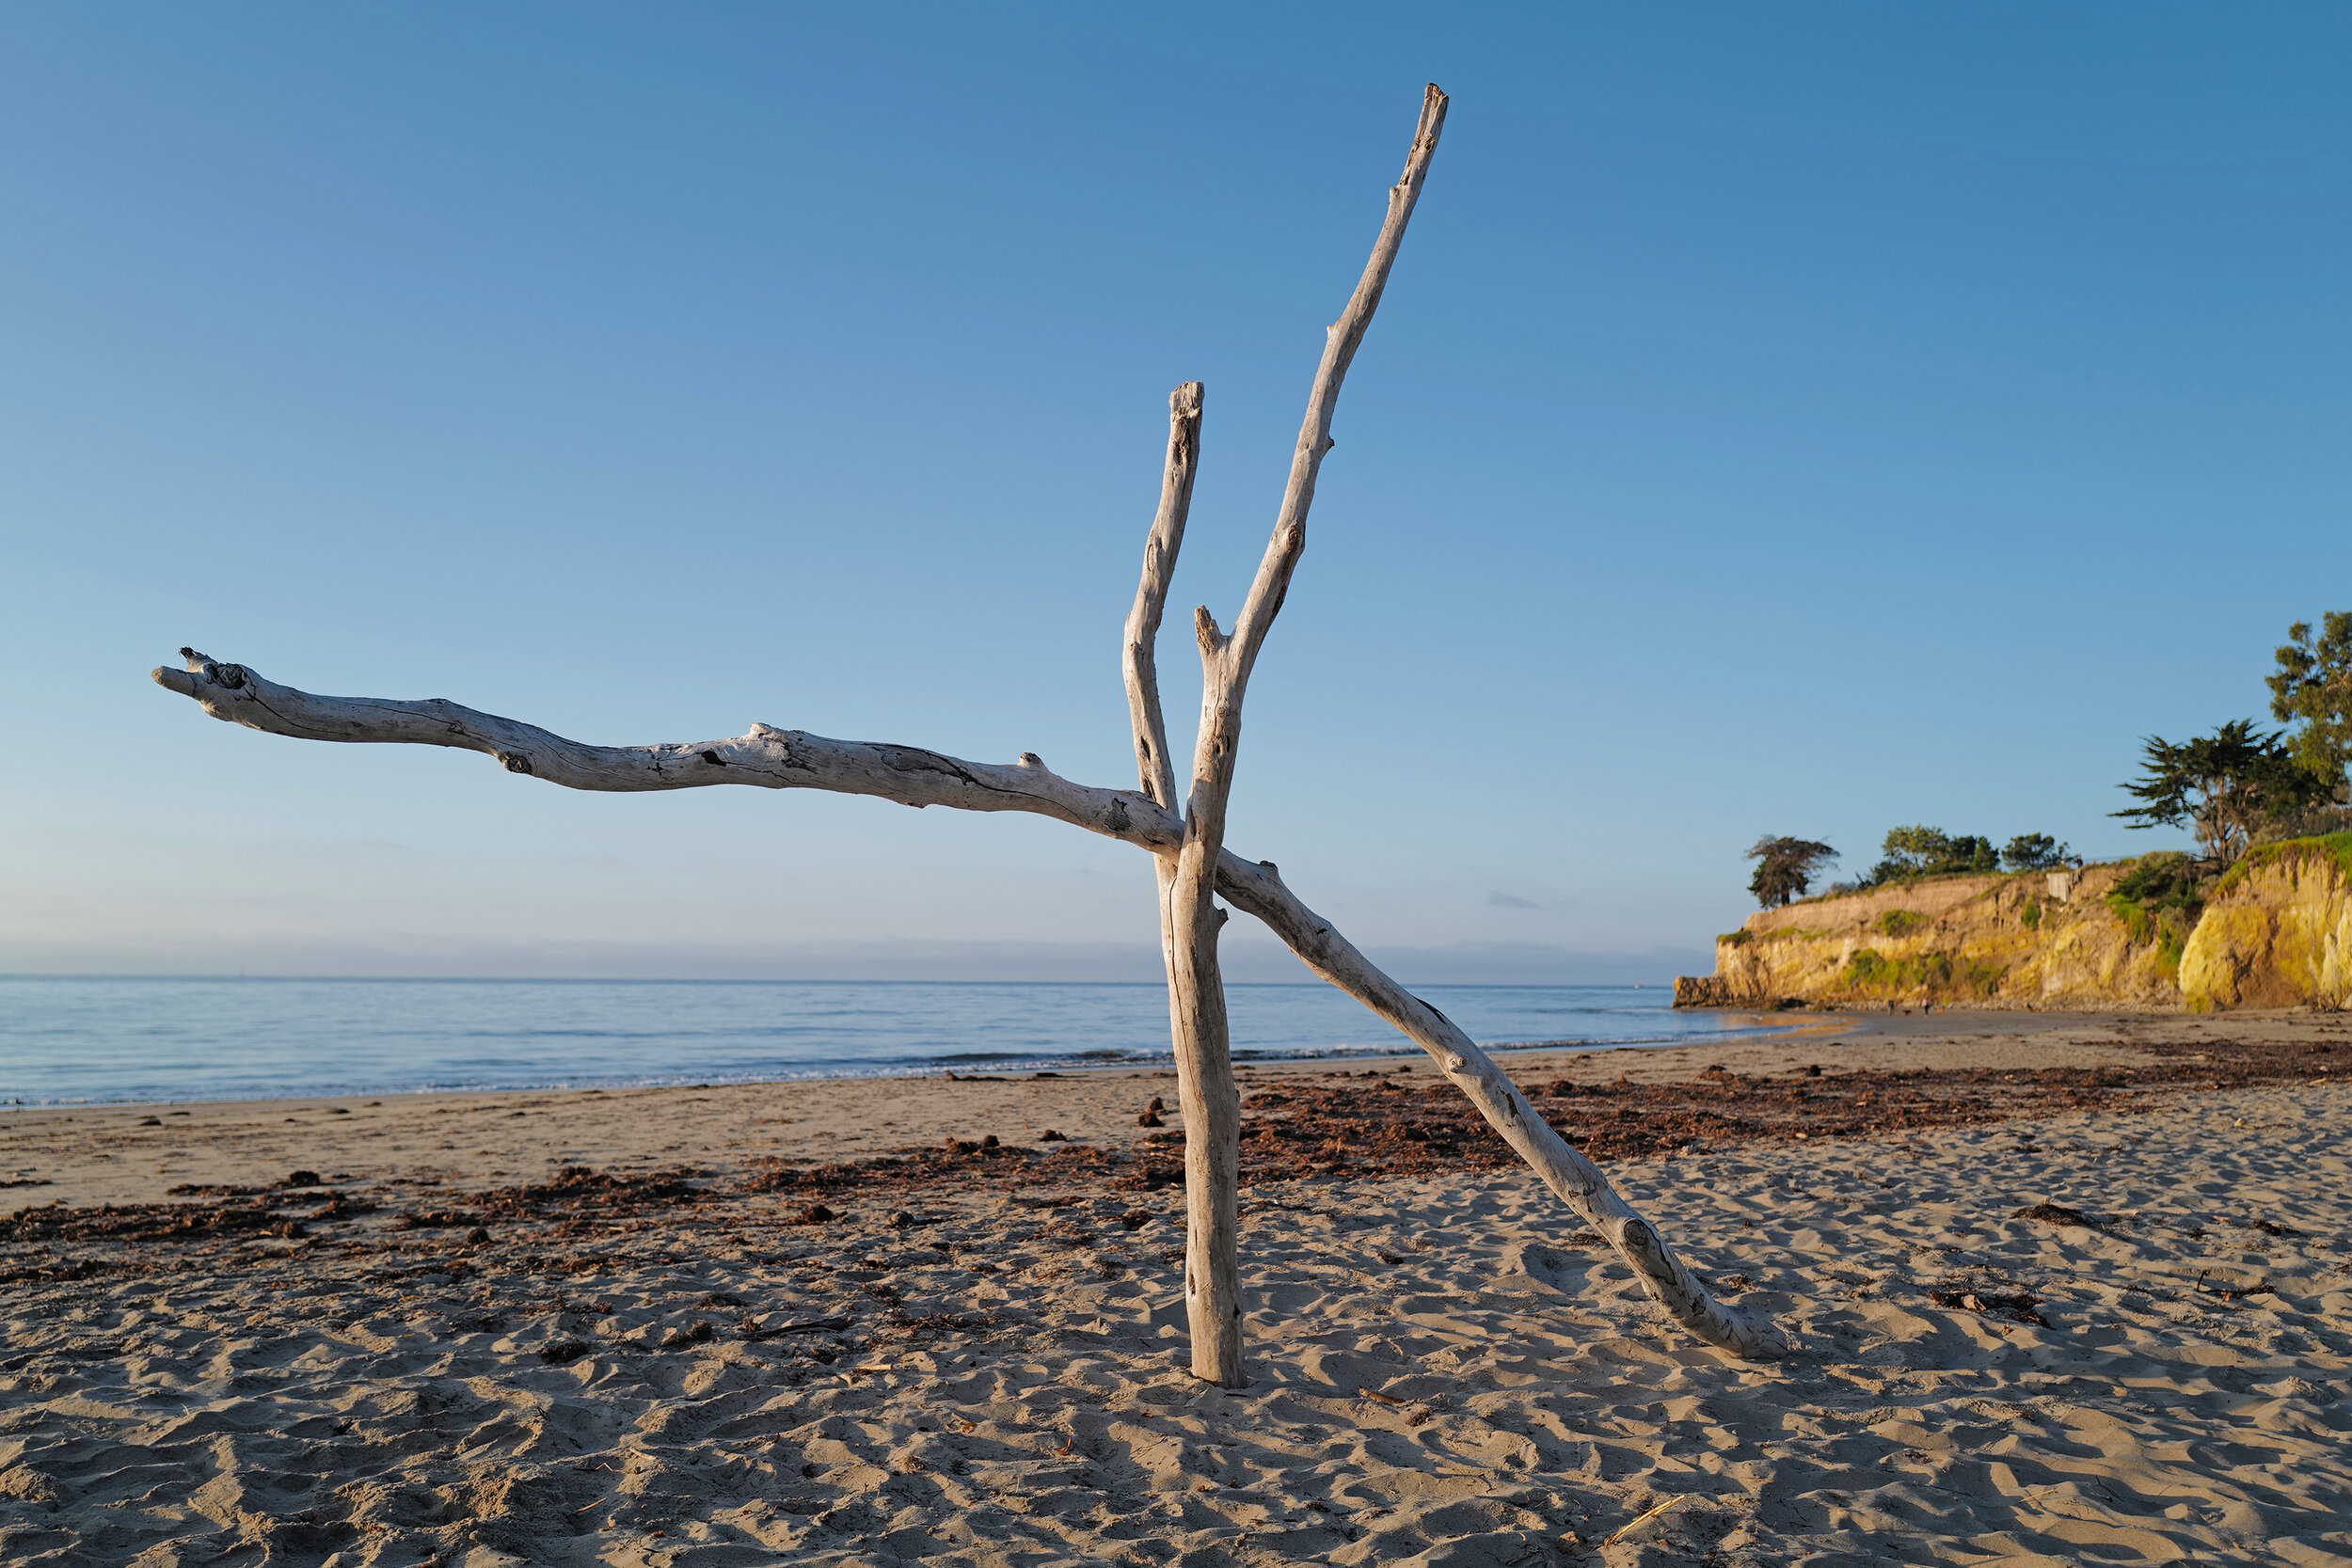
(737,1325)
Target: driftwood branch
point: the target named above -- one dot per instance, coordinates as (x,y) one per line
(1154,768)
(772,759)
(1189,918)
(1195,1000)
(1341,341)
(764,756)
(1256,888)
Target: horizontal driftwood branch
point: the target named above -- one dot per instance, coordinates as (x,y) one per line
(792,759)
(765,757)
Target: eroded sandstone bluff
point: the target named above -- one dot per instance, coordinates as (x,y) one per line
(2275,933)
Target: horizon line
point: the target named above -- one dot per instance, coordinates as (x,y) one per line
(770,980)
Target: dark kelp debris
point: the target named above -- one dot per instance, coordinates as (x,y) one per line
(2016,1305)
(1332,1126)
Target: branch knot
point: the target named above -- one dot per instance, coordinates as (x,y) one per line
(229,676)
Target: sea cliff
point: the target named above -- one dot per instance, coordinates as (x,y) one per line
(2275,933)
(2035,938)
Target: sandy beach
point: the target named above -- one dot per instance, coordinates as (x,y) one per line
(2064,1291)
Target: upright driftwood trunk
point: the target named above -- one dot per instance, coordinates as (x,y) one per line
(1189,917)
(1196,990)
(1193,865)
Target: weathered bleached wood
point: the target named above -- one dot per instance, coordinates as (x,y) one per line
(771,758)
(764,756)
(1139,660)
(1203,1075)
(1190,920)
(1256,888)
(1341,341)
(1194,865)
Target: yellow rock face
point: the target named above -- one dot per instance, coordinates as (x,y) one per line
(2035,938)
(2277,934)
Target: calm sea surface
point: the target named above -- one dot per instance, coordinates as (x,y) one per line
(76,1039)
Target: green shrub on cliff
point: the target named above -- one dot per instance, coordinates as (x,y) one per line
(2166,880)
(1895,923)
(1929,972)
(2172,930)
(2158,901)
(1910,853)
(2337,846)
(1870,967)
(2037,852)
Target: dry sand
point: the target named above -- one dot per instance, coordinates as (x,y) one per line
(1444,1372)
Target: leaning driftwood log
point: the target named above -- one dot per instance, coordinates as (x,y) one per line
(1193,865)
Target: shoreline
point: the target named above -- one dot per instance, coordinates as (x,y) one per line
(1771,1024)
(1766,1025)
(136,1153)
(164,1040)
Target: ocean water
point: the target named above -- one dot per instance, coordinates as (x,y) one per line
(69,1039)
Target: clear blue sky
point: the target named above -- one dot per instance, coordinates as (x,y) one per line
(1783,418)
